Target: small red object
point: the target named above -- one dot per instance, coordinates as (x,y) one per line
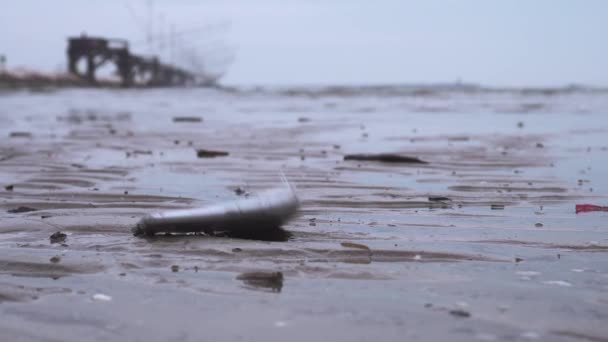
(587,208)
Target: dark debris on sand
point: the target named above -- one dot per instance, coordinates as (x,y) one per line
(58,237)
(210,153)
(263,280)
(187,119)
(438,199)
(20,135)
(460,313)
(385,157)
(21,210)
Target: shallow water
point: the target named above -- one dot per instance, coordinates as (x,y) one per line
(97,160)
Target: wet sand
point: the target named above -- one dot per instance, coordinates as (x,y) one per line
(497,253)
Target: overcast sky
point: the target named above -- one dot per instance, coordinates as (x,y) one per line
(514,42)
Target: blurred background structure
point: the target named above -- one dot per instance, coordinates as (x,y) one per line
(508,43)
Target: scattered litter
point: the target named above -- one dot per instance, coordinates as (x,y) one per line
(210,153)
(354,245)
(262,279)
(497,207)
(384,157)
(258,213)
(577,270)
(527,273)
(21,210)
(187,119)
(9,187)
(438,199)
(417,257)
(20,135)
(460,313)
(517,259)
(58,237)
(587,208)
(100,297)
(558,283)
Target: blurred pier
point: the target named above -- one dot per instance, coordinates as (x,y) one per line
(133,70)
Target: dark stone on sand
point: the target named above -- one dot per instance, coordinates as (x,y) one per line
(174,268)
(538,225)
(236,250)
(187,119)
(268,280)
(210,153)
(9,187)
(55,259)
(385,157)
(239,191)
(21,210)
(460,313)
(303,119)
(58,237)
(438,199)
(497,207)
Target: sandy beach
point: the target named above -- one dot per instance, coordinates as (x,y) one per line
(481,242)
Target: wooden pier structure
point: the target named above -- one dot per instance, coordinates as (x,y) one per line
(133,70)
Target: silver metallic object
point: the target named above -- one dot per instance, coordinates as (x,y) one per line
(265,211)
